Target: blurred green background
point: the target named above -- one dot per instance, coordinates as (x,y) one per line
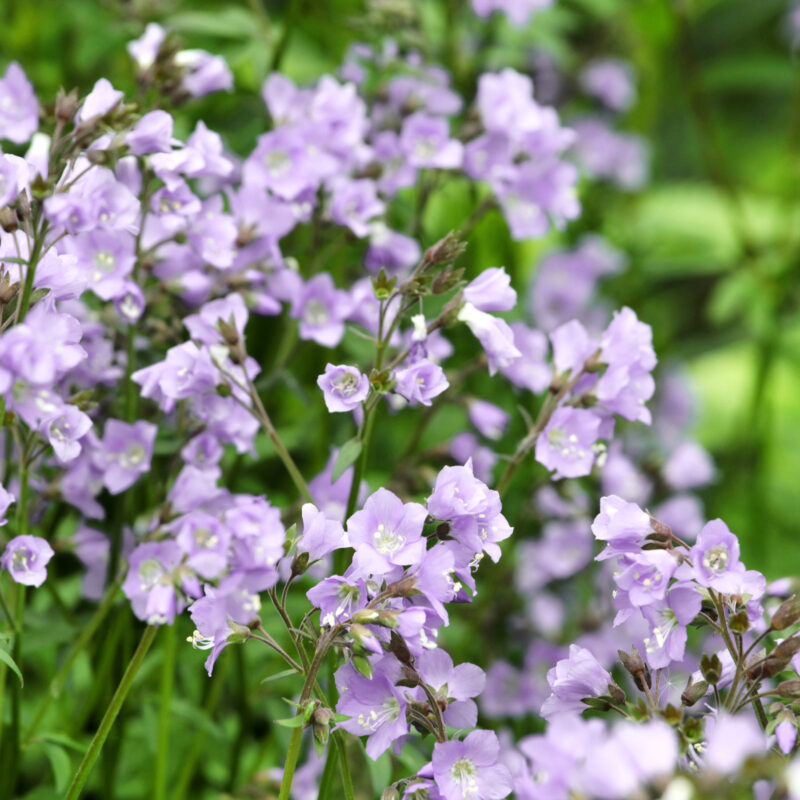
(713,240)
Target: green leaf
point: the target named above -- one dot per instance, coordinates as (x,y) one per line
(292,722)
(59,761)
(5,658)
(230,23)
(328,785)
(380,772)
(285,673)
(61,739)
(347,455)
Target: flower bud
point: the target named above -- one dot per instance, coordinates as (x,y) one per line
(321,723)
(299,564)
(390,793)
(787,648)
(445,250)
(711,668)
(66,105)
(364,616)
(790,688)
(788,613)
(239,633)
(615,693)
(398,646)
(739,622)
(634,664)
(9,221)
(694,692)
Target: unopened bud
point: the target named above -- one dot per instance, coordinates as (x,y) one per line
(660,528)
(390,793)
(788,613)
(711,668)
(615,693)
(363,665)
(398,646)
(365,616)
(694,692)
(739,622)
(387,617)
(634,664)
(239,633)
(787,648)
(99,157)
(789,688)
(9,221)
(299,564)
(445,250)
(321,723)
(66,105)
(227,329)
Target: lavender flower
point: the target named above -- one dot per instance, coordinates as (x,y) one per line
(715,558)
(421,382)
(491,291)
(19,110)
(126,452)
(574,678)
(321,309)
(621,525)
(344,388)
(320,535)
(471,768)
(566,445)
(494,334)
(26,557)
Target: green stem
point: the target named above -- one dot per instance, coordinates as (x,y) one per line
(344,766)
(96,745)
(36,254)
(165,713)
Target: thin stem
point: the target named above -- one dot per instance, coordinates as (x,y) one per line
(165,713)
(437,713)
(96,745)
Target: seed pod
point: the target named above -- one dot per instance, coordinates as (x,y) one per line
(635,665)
(739,622)
(790,688)
(787,648)
(694,692)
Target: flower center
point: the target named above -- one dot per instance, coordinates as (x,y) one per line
(347,384)
(22,560)
(387,542)
(463,773)
(716,558)
(316,313)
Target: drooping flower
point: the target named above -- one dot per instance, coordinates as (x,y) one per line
(19,109)
(572,679)
(421,382)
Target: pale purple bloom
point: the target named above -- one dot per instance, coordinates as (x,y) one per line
(92,547)
(466,447)
(668,621)
(458,493)
(152,134)
(204,73)
(730,741)
(322,310)
(715,557)
(386,532)
(621,476)
(471,768)
(19,109)
(125,454)
(611,82)
(107,258)
(145,49)
(321,535)
(606,154)
(494,334)
(344,388)
(454,685)
(420,382)
(566,445)
(14,177)
(689,466)
(683,513)
(491,291)
(490,158)
(25,558)
(129,303)
(337,598)
(786,735)
(64,431)
(426,142)
(204,326)
(572,347)
(151,582)
(99,101)
(572,679)
(488,418)
(375,707)
(390,250)
(354,203)
(644,577)
(621,525)
(531,370)
(205,541)
(505,102)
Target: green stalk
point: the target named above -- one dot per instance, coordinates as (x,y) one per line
(36,254)
(164,713)
(96,745)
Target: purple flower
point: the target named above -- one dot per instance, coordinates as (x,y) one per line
(320,535)
(145,49)
(421,382)
(390,250)
(125,454)
(19,110)
(786,734)
(337,598)
(494,334)
(14,177)
(25,558)
(491,291)
(64,431)
(688,467)
(488,418)
(566,445)
(645,577)
(715,558)
(606,154)
(204,73)
(107,257)
(386,532)
(375,707)
(668,621)
(152,134)
(344,388)
(99,101)
(205,541)
(458,493)
(354,203)
(531,370)
(453,685)
(426,142)
(466,447)
(611,82)
(572,679)
(731,741)
(622,526)
(322,310)
(471,768)
(151,582)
